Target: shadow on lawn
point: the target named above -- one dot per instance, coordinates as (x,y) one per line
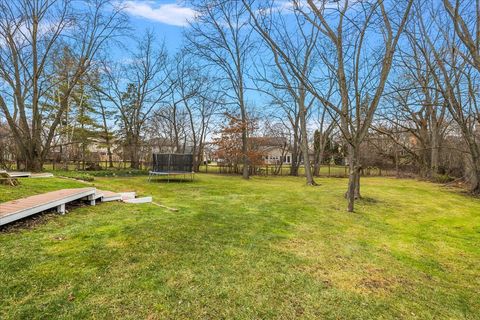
(368,200)
(173,180)
(33,221)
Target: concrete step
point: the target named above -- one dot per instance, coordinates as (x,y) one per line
(107,196)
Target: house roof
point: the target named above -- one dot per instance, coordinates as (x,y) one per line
(269,141)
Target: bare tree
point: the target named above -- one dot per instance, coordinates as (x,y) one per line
(136,88)
(467,27)
(106,133)
(360,68)
(29,32)
(456,75)
(220,35)
(322,134)
(299,45)
(417,108)
(196,92)
(282,110)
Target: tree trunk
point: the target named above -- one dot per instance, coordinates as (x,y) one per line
(358,170)
(34,164)
(245,161)
(110,157)
(353,191)
(304,146)
(318,160)
(295,162)
(134,161)
(434,154)
(33,158)
(475,182)
(474,172)
(397,165)
(83,155)
(63,158)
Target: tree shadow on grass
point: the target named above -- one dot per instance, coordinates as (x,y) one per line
(368,200)
(173,180)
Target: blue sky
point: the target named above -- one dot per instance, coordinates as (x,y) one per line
(167,18)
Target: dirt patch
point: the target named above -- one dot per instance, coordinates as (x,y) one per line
(366,280)
(373,284)
(378,281)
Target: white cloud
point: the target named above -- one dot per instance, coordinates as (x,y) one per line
(168,13)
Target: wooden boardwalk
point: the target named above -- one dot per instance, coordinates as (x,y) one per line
(17,209)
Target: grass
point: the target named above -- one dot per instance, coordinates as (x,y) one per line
(90,175)
(121,168)
(325,170)
(259,249)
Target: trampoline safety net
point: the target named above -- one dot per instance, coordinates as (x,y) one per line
(170,162)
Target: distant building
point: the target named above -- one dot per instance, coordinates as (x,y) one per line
(164,145)
(274,150)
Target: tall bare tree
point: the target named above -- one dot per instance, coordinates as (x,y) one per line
(350,30)
(325,127)
(418,109)
(283,110)
(221,36)
(196,92)
(136,88)
(299,44)
(456,73)
(465,17)
(30,30)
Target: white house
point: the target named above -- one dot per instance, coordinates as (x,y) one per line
(275,150)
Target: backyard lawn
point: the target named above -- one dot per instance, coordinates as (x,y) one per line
(267,248)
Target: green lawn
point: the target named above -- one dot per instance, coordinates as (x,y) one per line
(259,249)
(325,170)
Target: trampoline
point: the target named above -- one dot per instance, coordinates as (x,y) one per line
(172,165)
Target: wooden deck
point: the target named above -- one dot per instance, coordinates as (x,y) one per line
(17,209)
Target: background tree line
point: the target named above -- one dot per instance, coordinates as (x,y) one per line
(360,83)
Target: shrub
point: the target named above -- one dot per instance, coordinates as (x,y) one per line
(78,175)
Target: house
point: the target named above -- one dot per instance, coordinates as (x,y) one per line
(98,151)
(164,145)
(274,150)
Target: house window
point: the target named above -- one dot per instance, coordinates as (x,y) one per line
(288,159)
